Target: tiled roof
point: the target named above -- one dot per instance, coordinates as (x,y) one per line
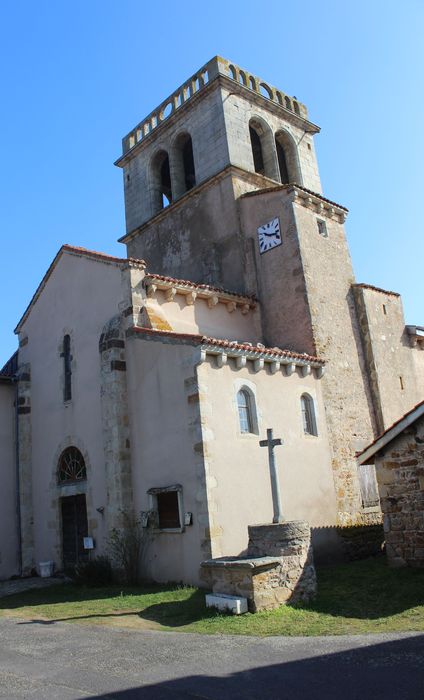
(91,253)
(393,431)
(259,349)
(195,285)
(198,339)
(292,186)
(362,285)
(11,367)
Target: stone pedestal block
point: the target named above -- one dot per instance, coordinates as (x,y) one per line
(278,567)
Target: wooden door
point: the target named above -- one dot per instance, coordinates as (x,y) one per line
(74,529)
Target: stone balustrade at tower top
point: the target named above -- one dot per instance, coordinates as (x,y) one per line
(210,71)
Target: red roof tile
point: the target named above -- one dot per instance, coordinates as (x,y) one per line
(228,344)
(206,287)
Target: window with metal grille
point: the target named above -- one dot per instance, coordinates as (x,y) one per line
(308,415)
(244,403)
(368,485)
(71,466)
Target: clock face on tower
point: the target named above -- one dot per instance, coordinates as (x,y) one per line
(269,235)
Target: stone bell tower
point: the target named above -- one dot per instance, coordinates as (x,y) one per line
(222,187)
(224,132)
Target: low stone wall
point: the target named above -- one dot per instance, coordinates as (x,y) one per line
(361,541)
(278,567)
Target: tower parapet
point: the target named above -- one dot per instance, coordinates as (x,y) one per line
(196,83)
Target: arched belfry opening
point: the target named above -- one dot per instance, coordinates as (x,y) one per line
(263,153)
(161,181)
(184,174)
(288,162)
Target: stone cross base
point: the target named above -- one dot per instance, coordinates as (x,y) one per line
(278,567)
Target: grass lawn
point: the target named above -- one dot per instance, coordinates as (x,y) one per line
(353,598)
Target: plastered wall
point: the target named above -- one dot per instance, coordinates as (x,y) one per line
(80,297)
(9,564)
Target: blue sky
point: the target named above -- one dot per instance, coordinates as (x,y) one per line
(76,76)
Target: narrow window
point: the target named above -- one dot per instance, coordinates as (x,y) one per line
(368,485)
(402,386)
(161,182)
(165,179)
(258,159)
(245,411)
(282,163)
(322,228)
(308,415)
(384,310)
(168,510)
(67,358)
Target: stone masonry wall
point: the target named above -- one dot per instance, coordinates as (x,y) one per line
(388,352)
(25,468)
(278,567)
(400,476)
(116,432)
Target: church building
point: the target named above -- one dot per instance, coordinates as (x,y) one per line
(143,384)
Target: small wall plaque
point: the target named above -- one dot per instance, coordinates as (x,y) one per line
(188,518)
(88,543)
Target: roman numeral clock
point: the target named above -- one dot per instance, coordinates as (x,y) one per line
(269,235)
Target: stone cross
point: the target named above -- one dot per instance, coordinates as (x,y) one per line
(270,443)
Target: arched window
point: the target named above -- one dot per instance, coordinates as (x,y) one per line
(288,162)
(161,181)
(258,159)
(263,151)
(71,466)
(308,415)
(184,176)
(282,163)
(246,411)
(67,369)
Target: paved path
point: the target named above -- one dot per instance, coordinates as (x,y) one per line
(19,585)
(63,661)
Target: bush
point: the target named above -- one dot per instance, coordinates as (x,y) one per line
(127,547)
(95,572)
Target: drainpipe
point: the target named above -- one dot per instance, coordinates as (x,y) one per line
(18,483)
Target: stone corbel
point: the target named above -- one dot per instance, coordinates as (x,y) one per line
(212,301)
(306,370)
(275,366)
(170,294)
(190,298)
(221,359)
(258,364)
(231,306)
(151,290)
(245,309)
(319,372)
(290,369)
(240,361)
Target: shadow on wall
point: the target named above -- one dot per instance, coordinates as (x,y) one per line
(335,544)
(387,670)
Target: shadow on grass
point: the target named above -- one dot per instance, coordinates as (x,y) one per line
(368,589)
(364,590)
(168,614)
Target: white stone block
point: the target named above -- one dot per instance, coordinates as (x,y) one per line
(230,603)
